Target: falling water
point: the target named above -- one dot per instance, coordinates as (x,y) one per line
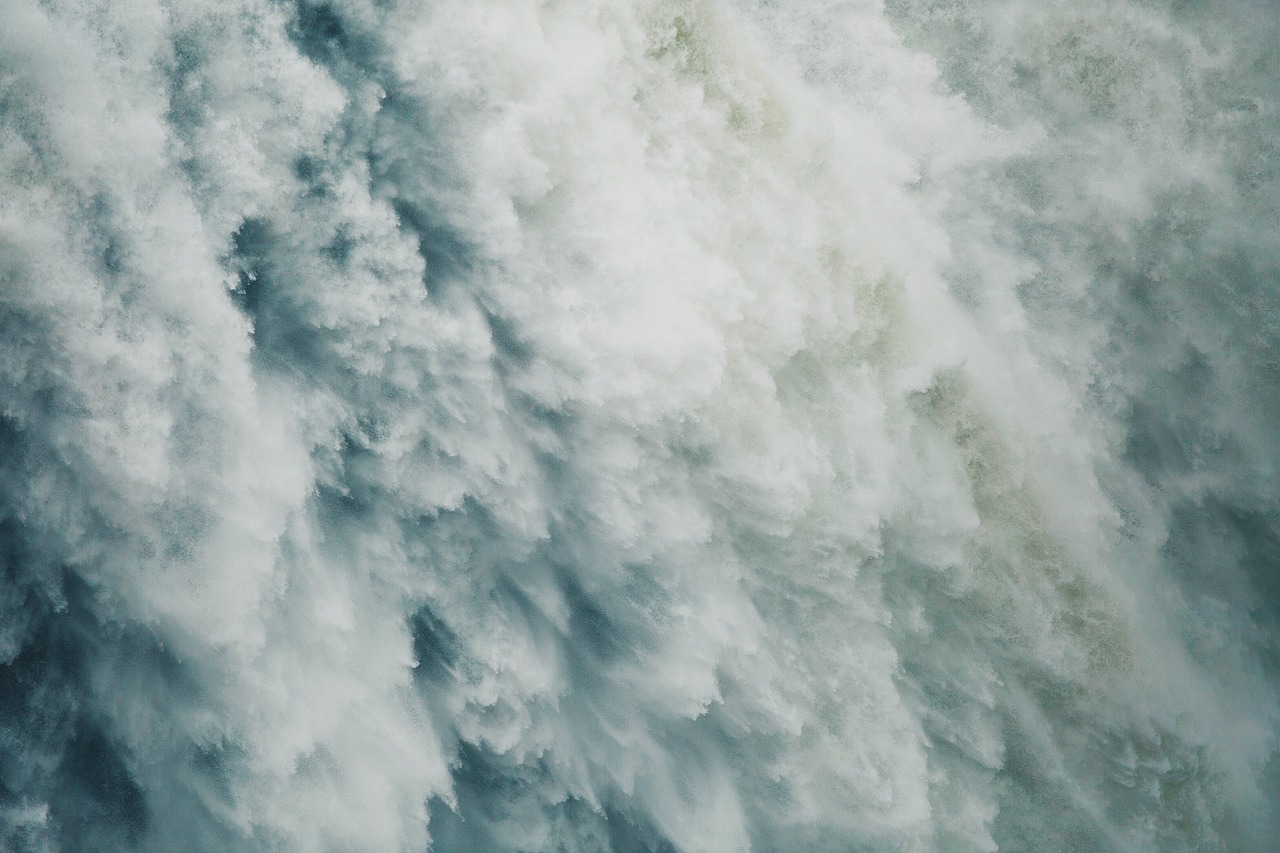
(639,425)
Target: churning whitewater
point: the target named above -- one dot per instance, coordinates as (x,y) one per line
(639,425)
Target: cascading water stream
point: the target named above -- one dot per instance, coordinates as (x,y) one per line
(639,425)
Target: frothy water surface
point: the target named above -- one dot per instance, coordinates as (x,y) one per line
(639,425)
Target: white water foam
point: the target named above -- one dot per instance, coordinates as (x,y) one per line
(667,425)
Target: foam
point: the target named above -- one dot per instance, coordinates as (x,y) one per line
(674,425)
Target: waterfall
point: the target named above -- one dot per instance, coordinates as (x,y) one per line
(639,425)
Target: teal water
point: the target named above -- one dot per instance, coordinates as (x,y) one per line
(666,425)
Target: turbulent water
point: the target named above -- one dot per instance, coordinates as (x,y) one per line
(639,425)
